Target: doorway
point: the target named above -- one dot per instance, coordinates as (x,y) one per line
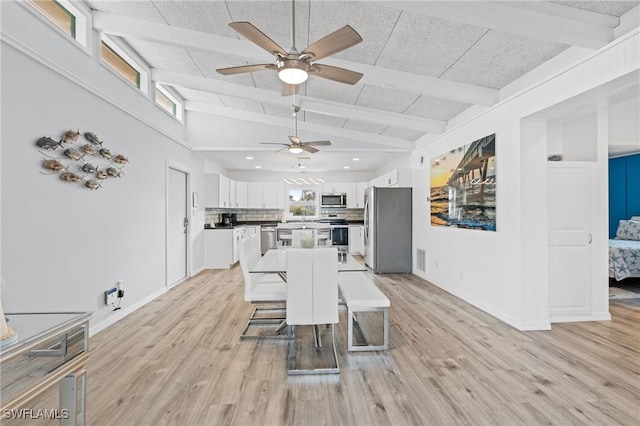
(177,232)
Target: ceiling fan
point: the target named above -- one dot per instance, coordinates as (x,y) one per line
(296,146)
(294,67)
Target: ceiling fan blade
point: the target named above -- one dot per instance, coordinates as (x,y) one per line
(318,143)
(289,89)
(307,148)
(245,68)
(295,140)
(273,143)
(250,32)
(335,42)
(340,75)
(283,149)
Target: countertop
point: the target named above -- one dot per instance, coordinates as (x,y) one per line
(271,223)
(243,224)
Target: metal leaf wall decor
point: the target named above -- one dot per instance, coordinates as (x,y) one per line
(89,164)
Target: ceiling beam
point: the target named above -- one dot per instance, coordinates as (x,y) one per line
(373,138)
(557,25)
(189,39)
(307,103)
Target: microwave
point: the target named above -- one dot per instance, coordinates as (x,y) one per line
(334,200)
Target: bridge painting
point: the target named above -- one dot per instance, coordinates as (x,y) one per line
(463,186)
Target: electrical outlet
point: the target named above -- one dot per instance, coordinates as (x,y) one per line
(110,296)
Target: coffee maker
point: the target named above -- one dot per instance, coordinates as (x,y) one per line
(229,219)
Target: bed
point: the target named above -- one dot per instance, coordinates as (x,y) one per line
(624,250)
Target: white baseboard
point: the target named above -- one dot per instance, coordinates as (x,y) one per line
(97,328)
(602,316)
(499,315)
(198,270)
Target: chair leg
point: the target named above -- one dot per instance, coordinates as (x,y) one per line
(253,320)
(292,362)
(317,337)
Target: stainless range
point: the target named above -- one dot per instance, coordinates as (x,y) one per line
(339,233)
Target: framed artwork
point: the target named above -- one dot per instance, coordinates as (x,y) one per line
(463,186)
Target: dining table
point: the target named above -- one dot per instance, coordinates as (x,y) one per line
(274,261)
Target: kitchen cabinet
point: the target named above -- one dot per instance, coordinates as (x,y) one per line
(394,178)
(216,190)
(241,195)
(334,188)
(356,239)
(232,193)
(224,192)
(350,190)
(238,235)
(264,195)
(272,192)
(391,178)
(361,187)
(255,195)
(221,247)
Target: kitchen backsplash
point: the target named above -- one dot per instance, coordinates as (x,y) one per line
(276,215)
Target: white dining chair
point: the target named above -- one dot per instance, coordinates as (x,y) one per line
(266,291)
(312,300)
(297,235)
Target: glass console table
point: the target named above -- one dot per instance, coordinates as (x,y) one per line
(51,348)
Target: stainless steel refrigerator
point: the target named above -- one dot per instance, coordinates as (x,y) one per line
(387,229)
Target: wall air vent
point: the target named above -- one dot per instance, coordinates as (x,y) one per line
(421,260)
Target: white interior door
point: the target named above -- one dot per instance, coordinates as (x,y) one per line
(177,227)
(570,249)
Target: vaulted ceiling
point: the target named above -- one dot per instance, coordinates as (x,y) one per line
(424,63)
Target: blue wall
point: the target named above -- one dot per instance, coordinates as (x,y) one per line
(624,190)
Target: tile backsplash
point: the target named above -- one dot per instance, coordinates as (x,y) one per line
(277,215)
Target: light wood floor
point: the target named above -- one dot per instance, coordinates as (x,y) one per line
(179,361)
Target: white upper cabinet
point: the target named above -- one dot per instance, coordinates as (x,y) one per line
(361,187)
(264,195)
(394,178)
(216,190)
(255,195)
(232,193)
(351,191)
(223,191)
(241,195)
(271,194)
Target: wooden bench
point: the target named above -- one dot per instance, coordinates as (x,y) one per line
(360,294)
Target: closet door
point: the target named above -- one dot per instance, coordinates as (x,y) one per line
(570,248)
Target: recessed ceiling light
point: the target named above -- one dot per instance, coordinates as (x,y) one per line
(356,159)
(249,158)
(347,167)
(258,167)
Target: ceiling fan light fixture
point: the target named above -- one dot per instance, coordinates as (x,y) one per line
(295,150)
(293,71)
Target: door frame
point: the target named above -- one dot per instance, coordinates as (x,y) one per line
(188,267)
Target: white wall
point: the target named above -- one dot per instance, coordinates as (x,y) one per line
(64,244)
(493,270)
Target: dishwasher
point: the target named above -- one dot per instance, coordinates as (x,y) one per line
(268,235)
